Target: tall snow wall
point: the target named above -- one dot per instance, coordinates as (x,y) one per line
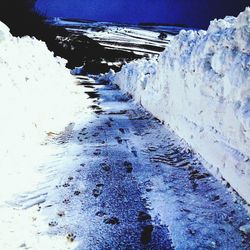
(200,87)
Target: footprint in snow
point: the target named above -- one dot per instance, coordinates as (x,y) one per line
(112,221)
(70,237)
(66,184)
(81,133)
(66,201)
(105,167)
(61,213)
(95,134)
(97,152)
(143,216)
(100,214)
(97,190)
(129,166)
(77,193)
(119,139)
(53,224)
(79,139)
(122,130)
(109,124)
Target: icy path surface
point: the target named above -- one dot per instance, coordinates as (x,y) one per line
(129,184)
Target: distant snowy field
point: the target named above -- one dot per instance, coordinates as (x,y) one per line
(142,40)
(200,87)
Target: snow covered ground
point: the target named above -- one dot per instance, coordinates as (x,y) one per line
(40,106)
(121,180)
(84,167)
(199,86)
(37,91)
(138,39)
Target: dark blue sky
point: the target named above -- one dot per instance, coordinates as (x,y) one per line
(193,13)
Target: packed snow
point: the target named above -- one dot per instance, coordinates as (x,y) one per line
(200,87)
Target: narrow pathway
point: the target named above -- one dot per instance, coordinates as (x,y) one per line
(139,187)
(115,204)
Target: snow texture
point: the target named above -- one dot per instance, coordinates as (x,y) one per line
(200,87)
(37,94)
(38,100)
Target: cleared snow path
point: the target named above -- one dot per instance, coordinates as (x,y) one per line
(132,184)
(139,181)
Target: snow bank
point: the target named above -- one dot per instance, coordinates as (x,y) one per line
(200,87)
(37,94)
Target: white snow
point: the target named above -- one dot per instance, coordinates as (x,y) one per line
(127,38)
(38,100)
(200,87)
(37,94)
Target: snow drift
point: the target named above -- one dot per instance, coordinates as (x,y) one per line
(200,87)
(37,94)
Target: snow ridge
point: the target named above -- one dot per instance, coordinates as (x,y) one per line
(200,87)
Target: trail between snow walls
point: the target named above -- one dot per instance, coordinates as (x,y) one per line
(134,185)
